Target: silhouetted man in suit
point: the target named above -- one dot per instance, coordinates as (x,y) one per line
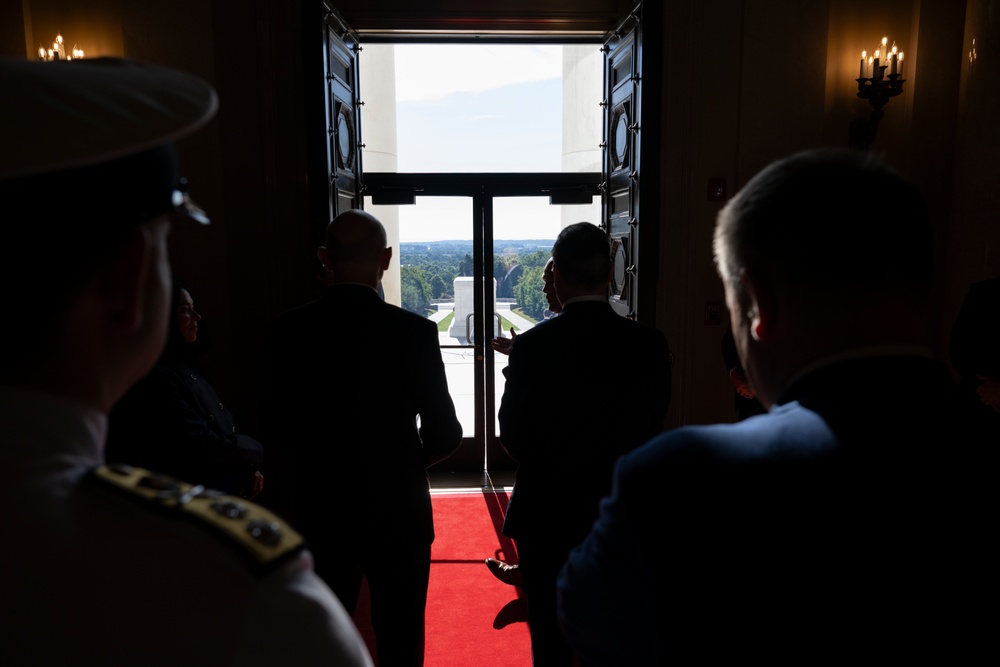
(582,389)
(356,402)
(847,520)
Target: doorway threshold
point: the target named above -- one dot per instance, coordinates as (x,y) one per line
(446,481)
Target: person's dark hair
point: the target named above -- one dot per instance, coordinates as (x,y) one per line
(828,221)
(176,346)
(582,253)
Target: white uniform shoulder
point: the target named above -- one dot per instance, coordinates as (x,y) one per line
(259,535)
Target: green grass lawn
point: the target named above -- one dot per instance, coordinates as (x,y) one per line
(446,322)
(505,324)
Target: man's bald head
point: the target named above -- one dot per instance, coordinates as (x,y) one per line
(356,248)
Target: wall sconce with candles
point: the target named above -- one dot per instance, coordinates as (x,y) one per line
(59,51)
(876,86)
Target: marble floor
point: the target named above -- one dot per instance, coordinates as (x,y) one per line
(448,481)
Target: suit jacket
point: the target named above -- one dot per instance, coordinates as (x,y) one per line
(849,519)
(974,346)
(346,378)
(606,390)
(173,421)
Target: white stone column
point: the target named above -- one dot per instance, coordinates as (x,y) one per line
(581,133)
(378,133)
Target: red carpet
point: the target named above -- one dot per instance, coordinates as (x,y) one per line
(473,620)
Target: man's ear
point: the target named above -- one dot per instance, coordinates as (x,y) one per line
(760,308)
(323,256)
(386,258)
(123,280)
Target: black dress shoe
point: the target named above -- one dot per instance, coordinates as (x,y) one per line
(508,574)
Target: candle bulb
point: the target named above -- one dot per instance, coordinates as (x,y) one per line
(900,63)
(876,73)
(870,63)
(861,74)
(41,53)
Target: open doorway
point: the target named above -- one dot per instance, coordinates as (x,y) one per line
(393,139)
(492,148)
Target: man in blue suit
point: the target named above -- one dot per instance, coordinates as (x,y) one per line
(582,389)
(843,522)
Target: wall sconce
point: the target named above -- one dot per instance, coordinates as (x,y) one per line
(58,51)
(877,87)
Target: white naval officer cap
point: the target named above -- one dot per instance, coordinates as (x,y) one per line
(86,155)
(90,142)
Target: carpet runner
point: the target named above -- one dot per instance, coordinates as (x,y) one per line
(473,620)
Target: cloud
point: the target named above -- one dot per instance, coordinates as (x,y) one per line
(430,72)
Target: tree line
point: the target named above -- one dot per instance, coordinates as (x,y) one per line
(429,276)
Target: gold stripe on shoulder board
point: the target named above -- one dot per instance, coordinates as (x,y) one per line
(262,534)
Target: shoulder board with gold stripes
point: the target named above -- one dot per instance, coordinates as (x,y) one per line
(259,534)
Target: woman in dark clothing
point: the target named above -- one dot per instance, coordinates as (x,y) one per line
(173,421)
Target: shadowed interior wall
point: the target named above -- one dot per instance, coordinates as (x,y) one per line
(744,83)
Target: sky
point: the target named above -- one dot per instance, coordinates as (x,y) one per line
(477,108)
(429,72)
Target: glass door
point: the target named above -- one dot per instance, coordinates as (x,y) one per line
(470,252)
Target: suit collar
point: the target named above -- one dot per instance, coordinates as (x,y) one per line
(851,378)
(354,291)
(585,304)
(586,297)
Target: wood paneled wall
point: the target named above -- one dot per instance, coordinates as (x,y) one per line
(745,83)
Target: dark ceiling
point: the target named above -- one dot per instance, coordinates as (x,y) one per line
(512,17)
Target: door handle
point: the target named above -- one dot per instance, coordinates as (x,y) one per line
(468,325)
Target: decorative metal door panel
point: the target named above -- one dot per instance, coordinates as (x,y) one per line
(343,114)
(625,146)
